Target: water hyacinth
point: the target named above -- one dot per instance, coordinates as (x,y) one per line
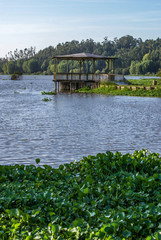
(107,196)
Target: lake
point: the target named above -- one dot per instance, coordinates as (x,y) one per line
(71,126)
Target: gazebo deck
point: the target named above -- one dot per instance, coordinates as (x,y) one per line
(70,80)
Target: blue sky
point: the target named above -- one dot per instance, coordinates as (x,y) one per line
(43,23)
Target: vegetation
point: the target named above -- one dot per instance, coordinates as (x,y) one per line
(126,91)
(16,75)
(108,196)
(134,56)
(46,99)
(48,93)
(144,81)
(159,73)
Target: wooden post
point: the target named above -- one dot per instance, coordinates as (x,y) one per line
(58,86)
(55,70)
(107,66)
(80,69)
(80,63)
(87,70)
(83,67)
(67,69)
(94,66)
(93,69)
(112,65)
(83,70)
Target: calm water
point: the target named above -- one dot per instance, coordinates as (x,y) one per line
(71,125)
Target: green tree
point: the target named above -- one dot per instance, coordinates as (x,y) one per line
(133,67)
(1,70)
(146,57)
(33,66)
(19,65)
(10,67)
(62,67)
(147,66)
(159,73)
(25,67)
(44,65)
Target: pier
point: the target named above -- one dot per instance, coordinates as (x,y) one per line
(70,80)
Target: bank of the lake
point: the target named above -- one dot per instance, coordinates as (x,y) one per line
(125,90)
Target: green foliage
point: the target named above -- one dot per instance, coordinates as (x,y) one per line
(146,57)
(16,75)
(128,49)
(48,93)
(25,67)
(112,90)
(159,73)
(44,65)
(144,81)
(107,196)
(142,67)
(46,99)
(32,66)
(84,90)
(107,83)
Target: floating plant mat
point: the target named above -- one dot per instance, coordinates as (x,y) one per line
(107,196)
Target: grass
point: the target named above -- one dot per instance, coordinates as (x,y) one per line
(113,91)
(144,82)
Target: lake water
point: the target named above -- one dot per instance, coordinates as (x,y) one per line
(71,125)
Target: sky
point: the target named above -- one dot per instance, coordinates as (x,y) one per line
(44,23)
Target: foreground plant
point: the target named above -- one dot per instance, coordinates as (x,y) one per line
(108,196)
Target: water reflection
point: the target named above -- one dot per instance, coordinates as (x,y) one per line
(71,125)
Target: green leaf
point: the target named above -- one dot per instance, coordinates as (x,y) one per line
(55,228)
(137,228)
(109,230)
(29,238)
(158,236)
(86,190)
(61,167)
(77,222)
(148,238)
(126,233)
(37,160)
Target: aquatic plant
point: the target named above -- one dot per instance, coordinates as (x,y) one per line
(16,75)
(107,196)
(48,93)
(46,99)
(144,81)
(112,90)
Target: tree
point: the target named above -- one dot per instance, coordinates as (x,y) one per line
(44,65)
(19,65)
(159,73)
(146,57)
(25,67)
(33,66)
(1,70)
(10,67)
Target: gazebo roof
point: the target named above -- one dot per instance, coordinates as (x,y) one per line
(79,56)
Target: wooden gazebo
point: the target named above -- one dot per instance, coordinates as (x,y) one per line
(71,81)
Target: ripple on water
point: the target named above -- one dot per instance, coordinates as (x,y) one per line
(72,125)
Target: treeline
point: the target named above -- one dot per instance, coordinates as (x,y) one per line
(135,56)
